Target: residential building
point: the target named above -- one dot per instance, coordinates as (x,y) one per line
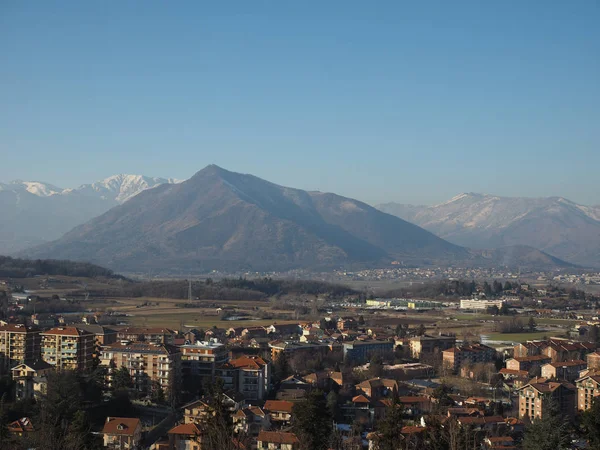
(203,358)
(149,365)
(248,375)
(292,348)
(377,388)
(144,334)
(285,330)
(280,411)
(18,343)
(186,436)
(557,349)
(588,388)
(277,440)
(20,427)
(530,364)
(122,433)
(454,358)
(566,370)
(250,421)
(362,351)
(593,360)
(30,379)
(103,335)
(430,345)
(535,398)
(68,348)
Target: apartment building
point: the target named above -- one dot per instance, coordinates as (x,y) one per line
(556,348)
(535,398)
(148,364)
(362,351)
(588,388)
(593,360)
(529,364)
(430,345)
(18,343)
(454,358)
(248,375)
(144,334)
(292,348)
(565,370)
(68,348)
(203,358)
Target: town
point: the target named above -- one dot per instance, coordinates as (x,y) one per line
(354,372)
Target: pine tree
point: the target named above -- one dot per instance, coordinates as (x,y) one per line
(312,422)
(389,429)
(590,424)
(551,432)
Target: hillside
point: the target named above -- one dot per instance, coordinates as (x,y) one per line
(34,212)
(554,225)
(224,220)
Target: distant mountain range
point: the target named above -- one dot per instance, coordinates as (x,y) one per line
(554,225)
(34,212)
(224,220)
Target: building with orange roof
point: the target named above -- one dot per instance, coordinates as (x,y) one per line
(68,348)
(279,410)
(18,343)
(122,432)
(20,427)
(277,440)
(565,370)
(186,436)
(535,397)
(248,375)
(454,358)
(588,388)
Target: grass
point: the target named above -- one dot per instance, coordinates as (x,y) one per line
(176,320)
(520,337)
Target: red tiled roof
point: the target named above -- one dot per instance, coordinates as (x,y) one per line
(277,437)
(21,425)
(360,399)
(66,331)
(121,425)
(187,429)
(248,362)
(279,406)
(17,328)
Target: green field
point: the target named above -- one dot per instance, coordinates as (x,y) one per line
(520,337)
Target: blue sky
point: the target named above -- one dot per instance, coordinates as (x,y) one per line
(381,101)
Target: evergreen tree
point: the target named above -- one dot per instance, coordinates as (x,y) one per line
(421,330)
(531,324)
(389,429)
(5,438)
(590,424)
(312,422)
(121,379)
(281,367)
(551,432)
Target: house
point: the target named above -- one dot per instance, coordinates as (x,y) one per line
(122,432)
(250,421)
(277,440)
(377,388)
(20,427)
(285,330)
(499,443)
(280,411)
(186,436)
(30,379)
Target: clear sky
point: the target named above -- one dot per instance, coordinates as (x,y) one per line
(410,101)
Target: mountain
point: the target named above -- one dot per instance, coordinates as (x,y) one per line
(224,220)
(35,212)
(554,225)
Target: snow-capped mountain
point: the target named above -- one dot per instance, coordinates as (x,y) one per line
(122,187)
(36,212)
(553,224)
